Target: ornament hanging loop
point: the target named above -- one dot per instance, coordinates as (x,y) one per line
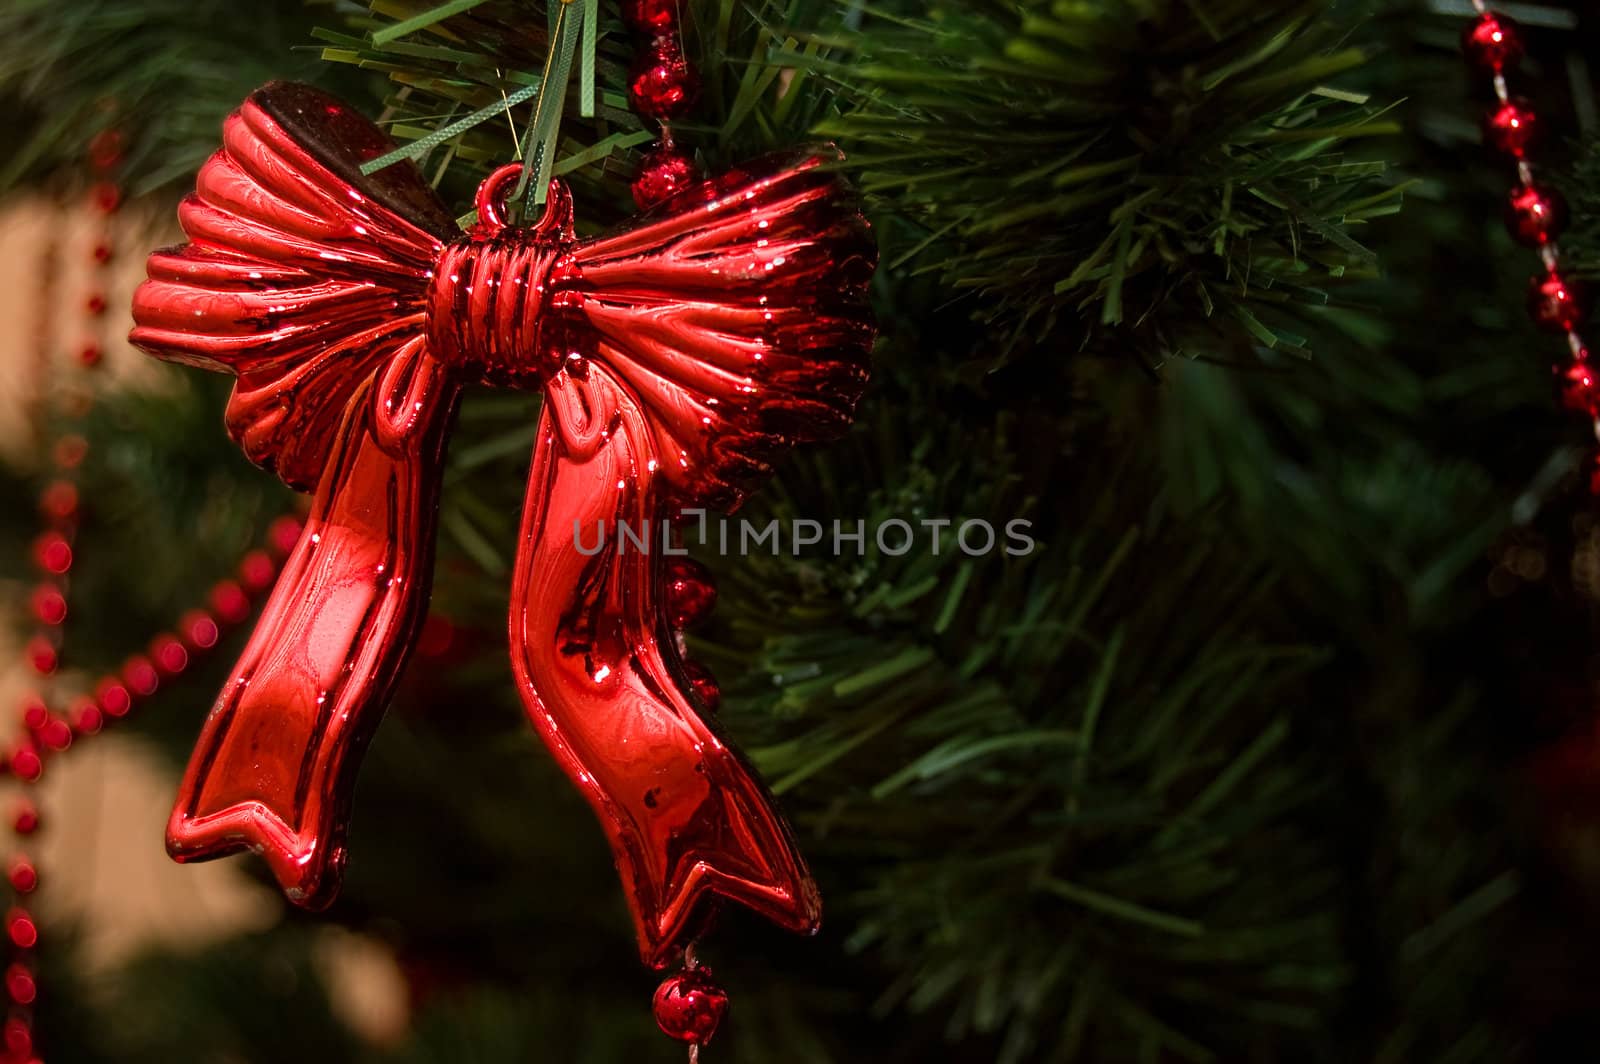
(493,195)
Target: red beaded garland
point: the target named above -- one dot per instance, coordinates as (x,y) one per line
(69,451)
(1535,215)
(199,630)
(20,928)
(59,502)
(26,764)
(257,571)
(106,197)
(169,654)
(87,717)
(689,1006)
(651,16)
(141,676)
(663,84)
(23,876)
(691,592)
(41,654)
(20,986)
(56,734)
(18,1039)
(49,604)
(34,712)
(665,171)
(53,553)
(704,685)
(106,149)
(1557,304)
(1491,42)
(230,602)
(283,534)
(25,818)
(112,697)
(1512,128)
(1579,387)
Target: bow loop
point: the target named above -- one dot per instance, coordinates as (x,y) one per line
(300,276)
(736,313)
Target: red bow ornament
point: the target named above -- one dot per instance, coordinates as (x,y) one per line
(677,357)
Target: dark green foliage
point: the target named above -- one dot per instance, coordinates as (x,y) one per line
(164,72)
(1582,246)
(1146,175)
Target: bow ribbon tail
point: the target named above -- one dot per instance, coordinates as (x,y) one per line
(275,765)
(598,670)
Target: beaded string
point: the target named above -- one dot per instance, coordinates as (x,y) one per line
(48,728)
(1536,214)
(662,85)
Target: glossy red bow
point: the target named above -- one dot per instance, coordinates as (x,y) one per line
(676,358)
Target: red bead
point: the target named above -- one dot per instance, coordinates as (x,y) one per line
(284,534)
(1535,215)
(199,630)
(113,698)
(651,16)
(1512,128)
(106,197)
(25,818)
(21,930)
(59,502)
(257,571)
(704,685)
(102,253)
(20,986)
(1557,304)
(18,1038)
(49,604)
(230,602)
(105,150)
(26,764)
(87,717)
(689,1006)
(141,676)
(169,654)
(24,877)
(53,553)
(1492,42)
(69,451)
(42,655)
(56,734)
(691,592)
(34,712)
(96,304)
(1579,387)
(91,354)
(663,173)
(663,84)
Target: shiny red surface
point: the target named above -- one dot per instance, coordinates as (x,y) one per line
(1493,42)
(678,357)
(1535,215)
(689,1006)
(1512,128)
(664,172)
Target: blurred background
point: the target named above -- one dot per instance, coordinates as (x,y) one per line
(1282,747)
